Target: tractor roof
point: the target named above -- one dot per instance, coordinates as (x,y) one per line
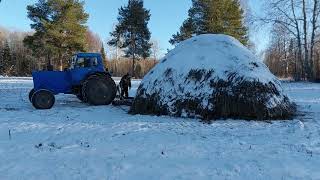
(88,54)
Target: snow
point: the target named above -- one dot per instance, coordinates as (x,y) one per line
(75,141)
(220,54)
(214,51)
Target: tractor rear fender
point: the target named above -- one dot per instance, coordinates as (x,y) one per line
(105,74)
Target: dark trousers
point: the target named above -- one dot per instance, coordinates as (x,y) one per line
(125,92)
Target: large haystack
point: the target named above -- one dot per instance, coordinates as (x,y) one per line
(211,77)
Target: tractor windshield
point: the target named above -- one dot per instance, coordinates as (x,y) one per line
(85,62)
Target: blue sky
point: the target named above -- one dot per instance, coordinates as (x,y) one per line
(167,16)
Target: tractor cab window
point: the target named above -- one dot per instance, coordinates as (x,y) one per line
(85,62)
(73,62)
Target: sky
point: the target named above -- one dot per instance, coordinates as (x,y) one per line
(166,17)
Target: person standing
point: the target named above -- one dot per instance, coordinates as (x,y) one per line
(125,85)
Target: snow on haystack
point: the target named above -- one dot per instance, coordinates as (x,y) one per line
(212,76)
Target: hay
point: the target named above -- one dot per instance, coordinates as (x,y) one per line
(235,98)
(212,77)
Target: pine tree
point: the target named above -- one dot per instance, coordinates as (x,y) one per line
(39,14)
(133,29)
(59,28)
(103,52)
(186,31)
(214,17)
(6,59)
(67,30)
(103,55)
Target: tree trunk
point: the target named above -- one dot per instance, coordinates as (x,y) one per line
(306,50)
(296,74)
(133,65)
(133,45)
(314,28)
(317,70)
(298,41)
(60,62)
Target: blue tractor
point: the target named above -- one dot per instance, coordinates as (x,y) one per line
(86,78)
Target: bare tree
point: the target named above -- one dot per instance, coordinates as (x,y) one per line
(155,49)
(94,42)
(314,28)
(114,52)
(300,19)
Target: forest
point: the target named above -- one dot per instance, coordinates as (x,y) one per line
(18,60)
(293,51)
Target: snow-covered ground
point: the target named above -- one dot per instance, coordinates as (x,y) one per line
(74,141)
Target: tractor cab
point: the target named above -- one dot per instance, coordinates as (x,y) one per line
(86,60)
(86,78)
(83,64)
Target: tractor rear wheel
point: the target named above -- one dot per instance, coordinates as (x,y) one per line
(80,97)
(99,90)
(31,94)
(43,99)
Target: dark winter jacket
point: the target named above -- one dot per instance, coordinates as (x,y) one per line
(125,82)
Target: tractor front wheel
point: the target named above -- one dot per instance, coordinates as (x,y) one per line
(43,99)
(31,94)
(99,90)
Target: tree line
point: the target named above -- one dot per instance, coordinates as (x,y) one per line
(16,59)
(59,31)
(294,50)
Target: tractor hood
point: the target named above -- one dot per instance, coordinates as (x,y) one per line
(55,81)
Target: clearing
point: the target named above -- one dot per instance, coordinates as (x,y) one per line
(75,141)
